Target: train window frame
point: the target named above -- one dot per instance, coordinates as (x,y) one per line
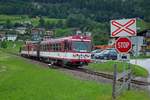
(50,47)
(46,47)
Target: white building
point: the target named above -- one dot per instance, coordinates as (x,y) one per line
(2,35)
(137,43)
(21,30)
(11,37)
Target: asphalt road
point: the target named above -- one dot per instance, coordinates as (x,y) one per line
(145,63)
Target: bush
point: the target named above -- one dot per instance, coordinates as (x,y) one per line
(4,44)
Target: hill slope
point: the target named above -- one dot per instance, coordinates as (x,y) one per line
(98,10)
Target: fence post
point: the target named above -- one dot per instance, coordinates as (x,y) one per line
(129,76)
(114,82)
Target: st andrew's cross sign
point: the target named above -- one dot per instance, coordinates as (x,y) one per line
(123,27)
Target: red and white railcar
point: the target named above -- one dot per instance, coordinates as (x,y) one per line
(29,49)
(72,50)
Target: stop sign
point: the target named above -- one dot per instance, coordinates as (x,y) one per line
(123,45)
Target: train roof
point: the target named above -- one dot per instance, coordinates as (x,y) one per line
(69,38)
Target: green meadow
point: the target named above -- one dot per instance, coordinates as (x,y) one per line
(25,18)
(23,80)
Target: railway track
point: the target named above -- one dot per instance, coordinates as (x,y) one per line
(109,76)
(104,75)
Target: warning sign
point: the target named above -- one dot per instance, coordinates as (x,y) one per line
(123,27)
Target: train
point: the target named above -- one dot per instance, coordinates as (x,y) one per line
(72,50)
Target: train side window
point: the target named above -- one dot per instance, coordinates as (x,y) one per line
(41,48)
(56,47)
(52,47)
(62,46)
(44,47)
(66,45)
(59,48)
(69,45)
(47,47)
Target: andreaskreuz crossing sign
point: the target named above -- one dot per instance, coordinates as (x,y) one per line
(123,27)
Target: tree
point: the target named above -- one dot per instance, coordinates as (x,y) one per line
(60,24)
(75,20)
(41,22)
(4,44)
(8,24)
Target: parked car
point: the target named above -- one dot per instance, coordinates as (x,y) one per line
(94,52)
(107,54)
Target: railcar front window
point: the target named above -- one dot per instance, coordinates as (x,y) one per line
(81,46)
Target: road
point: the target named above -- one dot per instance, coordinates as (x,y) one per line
(145,63)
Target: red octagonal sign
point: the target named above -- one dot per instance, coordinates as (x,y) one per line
(123,45)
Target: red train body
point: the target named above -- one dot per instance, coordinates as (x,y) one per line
(72,50)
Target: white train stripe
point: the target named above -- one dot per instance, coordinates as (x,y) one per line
(61,55)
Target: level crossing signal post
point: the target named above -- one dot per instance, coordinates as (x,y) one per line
(123,45)
(121,81)
(123,29)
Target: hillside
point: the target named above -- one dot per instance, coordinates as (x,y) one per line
(64,16)
(64,27)
(98,10)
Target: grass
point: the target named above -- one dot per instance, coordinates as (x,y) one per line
(25,18)
(108,67)
(140,57)
(23,80)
